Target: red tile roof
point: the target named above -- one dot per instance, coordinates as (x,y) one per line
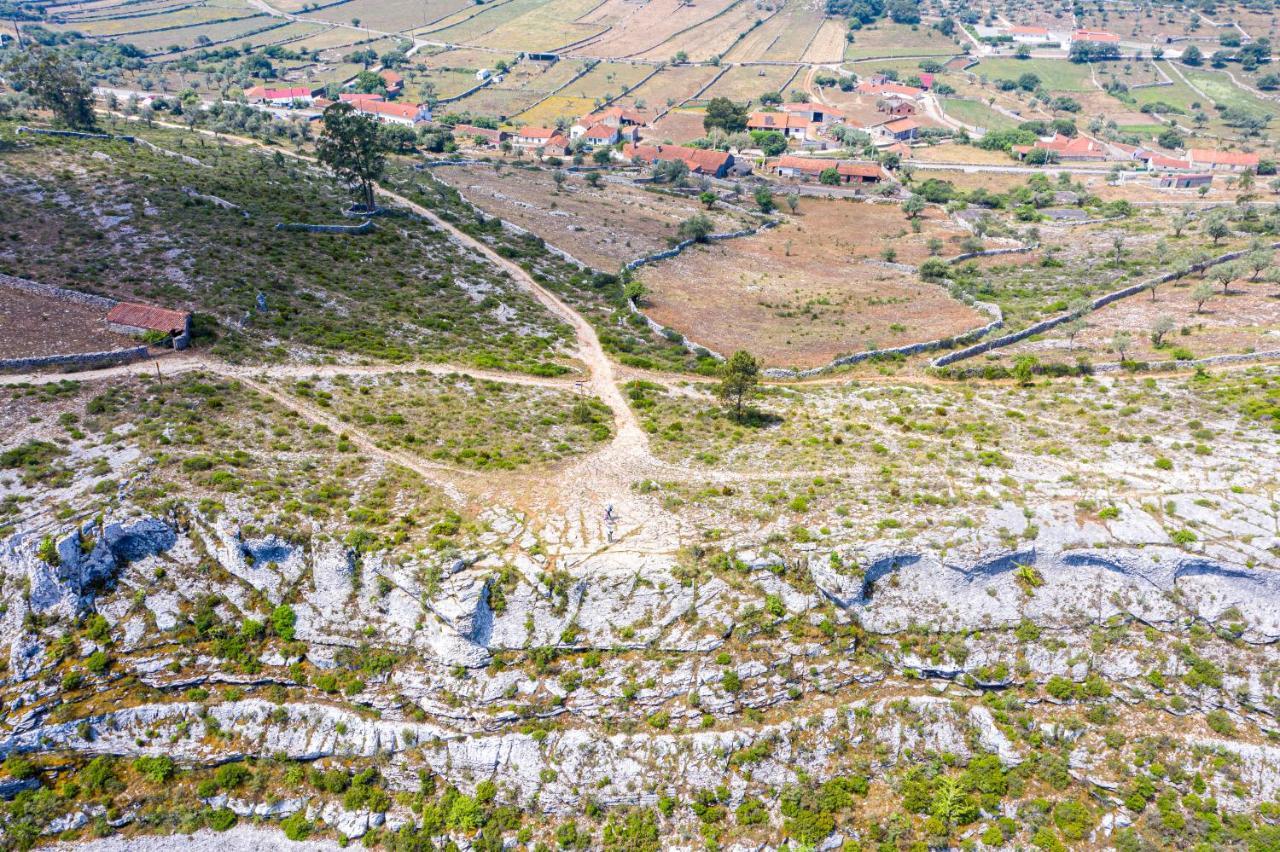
(926,81)
(537,132)
(1094,35)
(618,114)
(817,165)
(697,159)
(391,78)
(290,93)
(601,131)
(881,89)
(776,121)
(149,317)
(389,109)
(356,97)
(901,124)
(1222,158)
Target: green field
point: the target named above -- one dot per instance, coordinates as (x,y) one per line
(977,114)
(1057,75)
(1223,92)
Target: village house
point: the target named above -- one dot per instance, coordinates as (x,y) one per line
(1029,35)
(815,113)
(896,106)
(281,97)
(603,134)
(613,117)
(355,98)
(1221,161)
(898,130)
(701,161)
(1067,148)
(393,81)
(881,90)
(1095,37)
(1156,161)
(405,115)
(490,138)
(807,168)
(132,318)
(790,125)
(533,137)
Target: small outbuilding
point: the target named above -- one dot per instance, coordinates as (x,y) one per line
(133,318)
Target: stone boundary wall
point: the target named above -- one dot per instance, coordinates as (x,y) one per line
(1197,362)
(1100,302)
(62,293)
(363,228)
(681,246)
(77,134)
(996,252)
(83,359)
(671,334)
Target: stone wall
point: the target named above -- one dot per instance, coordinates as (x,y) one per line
(1211,361)
(671,334)
(363,228)
(78,134)
(1101,301)
(82,359)
(62,293)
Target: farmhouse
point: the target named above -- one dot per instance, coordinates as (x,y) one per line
(926,81)
(896,106)
(699,160)
(1221,161)
(1065,147)
(280,97)
(1156,161)
(811,167)
(393,81)
(1029,35)
(613,117)
(898,130)
(880,90)
(407,115)
(534,137)
(353,98)
(133,318)
(789,125)
(815,113)
(1095,37)
(491,138)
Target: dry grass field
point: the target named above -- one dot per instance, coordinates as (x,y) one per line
(1240,321)
(744,83)
(811,289)
(889,40)
(640,29)
(603,227)
(669,86)
(785,36)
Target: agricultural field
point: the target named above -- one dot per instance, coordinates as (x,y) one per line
(670,86)
(813,288)
(33,325)
(886,41)
(649,31)
(1240,317)
(746,83)
(678,126)
(1057,75)
(977,114)
(605,227)
(790,34)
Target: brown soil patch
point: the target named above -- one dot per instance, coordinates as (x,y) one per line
(804,293)
(678,127)
(32,326)
(603,227)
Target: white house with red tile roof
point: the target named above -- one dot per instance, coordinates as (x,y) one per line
(898,130)
(280,97)
(1095,36)
(880,90)
(1222,161)
(1065,147)
(790,125)
(406,115)
(533,137)
(816,113)
(1029,35)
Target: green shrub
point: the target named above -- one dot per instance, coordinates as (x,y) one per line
(221,819)
(156,769)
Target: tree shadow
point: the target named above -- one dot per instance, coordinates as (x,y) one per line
(755,418)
